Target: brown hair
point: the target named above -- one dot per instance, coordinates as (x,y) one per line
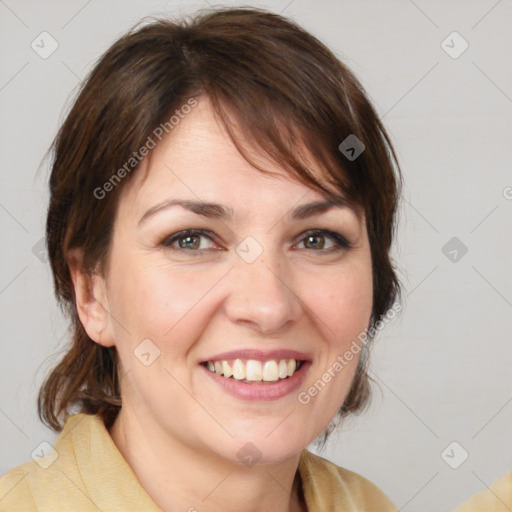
(279,86)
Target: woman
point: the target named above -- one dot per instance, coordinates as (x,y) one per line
(222,207)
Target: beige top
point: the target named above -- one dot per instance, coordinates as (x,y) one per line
(498,498)
(90,474)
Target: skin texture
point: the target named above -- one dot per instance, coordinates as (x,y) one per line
(179,431)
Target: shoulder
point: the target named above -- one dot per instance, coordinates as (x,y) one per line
(327,484)
(47,484)
(35,485)
(498,498)
(15,492)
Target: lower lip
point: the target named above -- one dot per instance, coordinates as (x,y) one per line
(259,391)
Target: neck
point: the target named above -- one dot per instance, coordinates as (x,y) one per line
(180,477)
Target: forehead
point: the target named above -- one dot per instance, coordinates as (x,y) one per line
(198,160)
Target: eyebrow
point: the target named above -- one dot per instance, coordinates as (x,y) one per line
(218,211)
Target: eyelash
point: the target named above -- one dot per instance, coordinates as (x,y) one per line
(340,241)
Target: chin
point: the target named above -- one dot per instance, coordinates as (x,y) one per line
(267,445)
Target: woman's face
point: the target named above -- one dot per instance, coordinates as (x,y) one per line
(258,280)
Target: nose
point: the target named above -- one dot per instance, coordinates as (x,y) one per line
(262,297)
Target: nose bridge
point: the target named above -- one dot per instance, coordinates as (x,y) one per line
(261,294)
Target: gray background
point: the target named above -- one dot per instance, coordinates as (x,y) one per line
(443,368)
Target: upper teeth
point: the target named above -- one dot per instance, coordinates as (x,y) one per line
(254,370)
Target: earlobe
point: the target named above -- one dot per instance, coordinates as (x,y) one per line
(91,300)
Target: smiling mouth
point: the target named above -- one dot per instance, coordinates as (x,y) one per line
(251,371)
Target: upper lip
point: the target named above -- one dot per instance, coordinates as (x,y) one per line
(259,355)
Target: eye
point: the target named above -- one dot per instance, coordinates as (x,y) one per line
(198,240)
(189,240)
(318,239)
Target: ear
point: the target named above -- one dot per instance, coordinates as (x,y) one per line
(91,300)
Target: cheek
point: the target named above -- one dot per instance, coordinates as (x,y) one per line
(344,303)
(154,301)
